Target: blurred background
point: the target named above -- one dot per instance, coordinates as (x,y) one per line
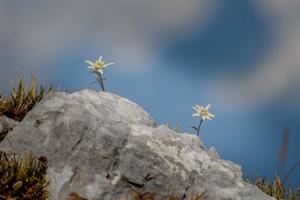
(243,57)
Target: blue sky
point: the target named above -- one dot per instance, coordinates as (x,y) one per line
(240,56)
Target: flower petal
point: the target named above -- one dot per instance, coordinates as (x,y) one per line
(200,107)
(211,115)
(89,62)
(100,59)
(108,64)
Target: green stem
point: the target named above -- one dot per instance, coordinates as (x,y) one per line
(291,171)
(100,81)
(198,130)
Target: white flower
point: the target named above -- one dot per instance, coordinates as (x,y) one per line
(98,66)
(203,112)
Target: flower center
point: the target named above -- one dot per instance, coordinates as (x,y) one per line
(204,112)
(98,65)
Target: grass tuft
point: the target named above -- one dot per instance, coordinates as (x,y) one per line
(276,189)
(22,178)
(22,99)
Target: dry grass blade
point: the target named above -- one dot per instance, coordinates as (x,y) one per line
(283,148)
(21,99)
(278,188)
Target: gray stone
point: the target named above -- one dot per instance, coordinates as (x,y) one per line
(100,146)
(6,125)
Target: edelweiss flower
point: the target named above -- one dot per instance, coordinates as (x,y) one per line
(98,66)
(203,112)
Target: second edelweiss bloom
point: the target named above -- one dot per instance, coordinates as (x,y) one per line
(203,112)
(98,66)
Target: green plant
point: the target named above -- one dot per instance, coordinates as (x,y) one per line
(21,99)
(23,177)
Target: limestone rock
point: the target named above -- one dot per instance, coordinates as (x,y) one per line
(101,145)
(6,125)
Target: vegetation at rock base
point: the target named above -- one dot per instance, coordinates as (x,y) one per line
(21,99)
(140,195)
(22,177)
(277,189)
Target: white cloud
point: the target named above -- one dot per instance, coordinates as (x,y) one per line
(39,31)
(34,33)
(278,8)
(279,71)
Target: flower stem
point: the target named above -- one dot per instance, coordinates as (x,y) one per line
(100,81)
(291,171)
(198,130)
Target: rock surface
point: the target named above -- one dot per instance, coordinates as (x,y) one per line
(100,146)
(6,125)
